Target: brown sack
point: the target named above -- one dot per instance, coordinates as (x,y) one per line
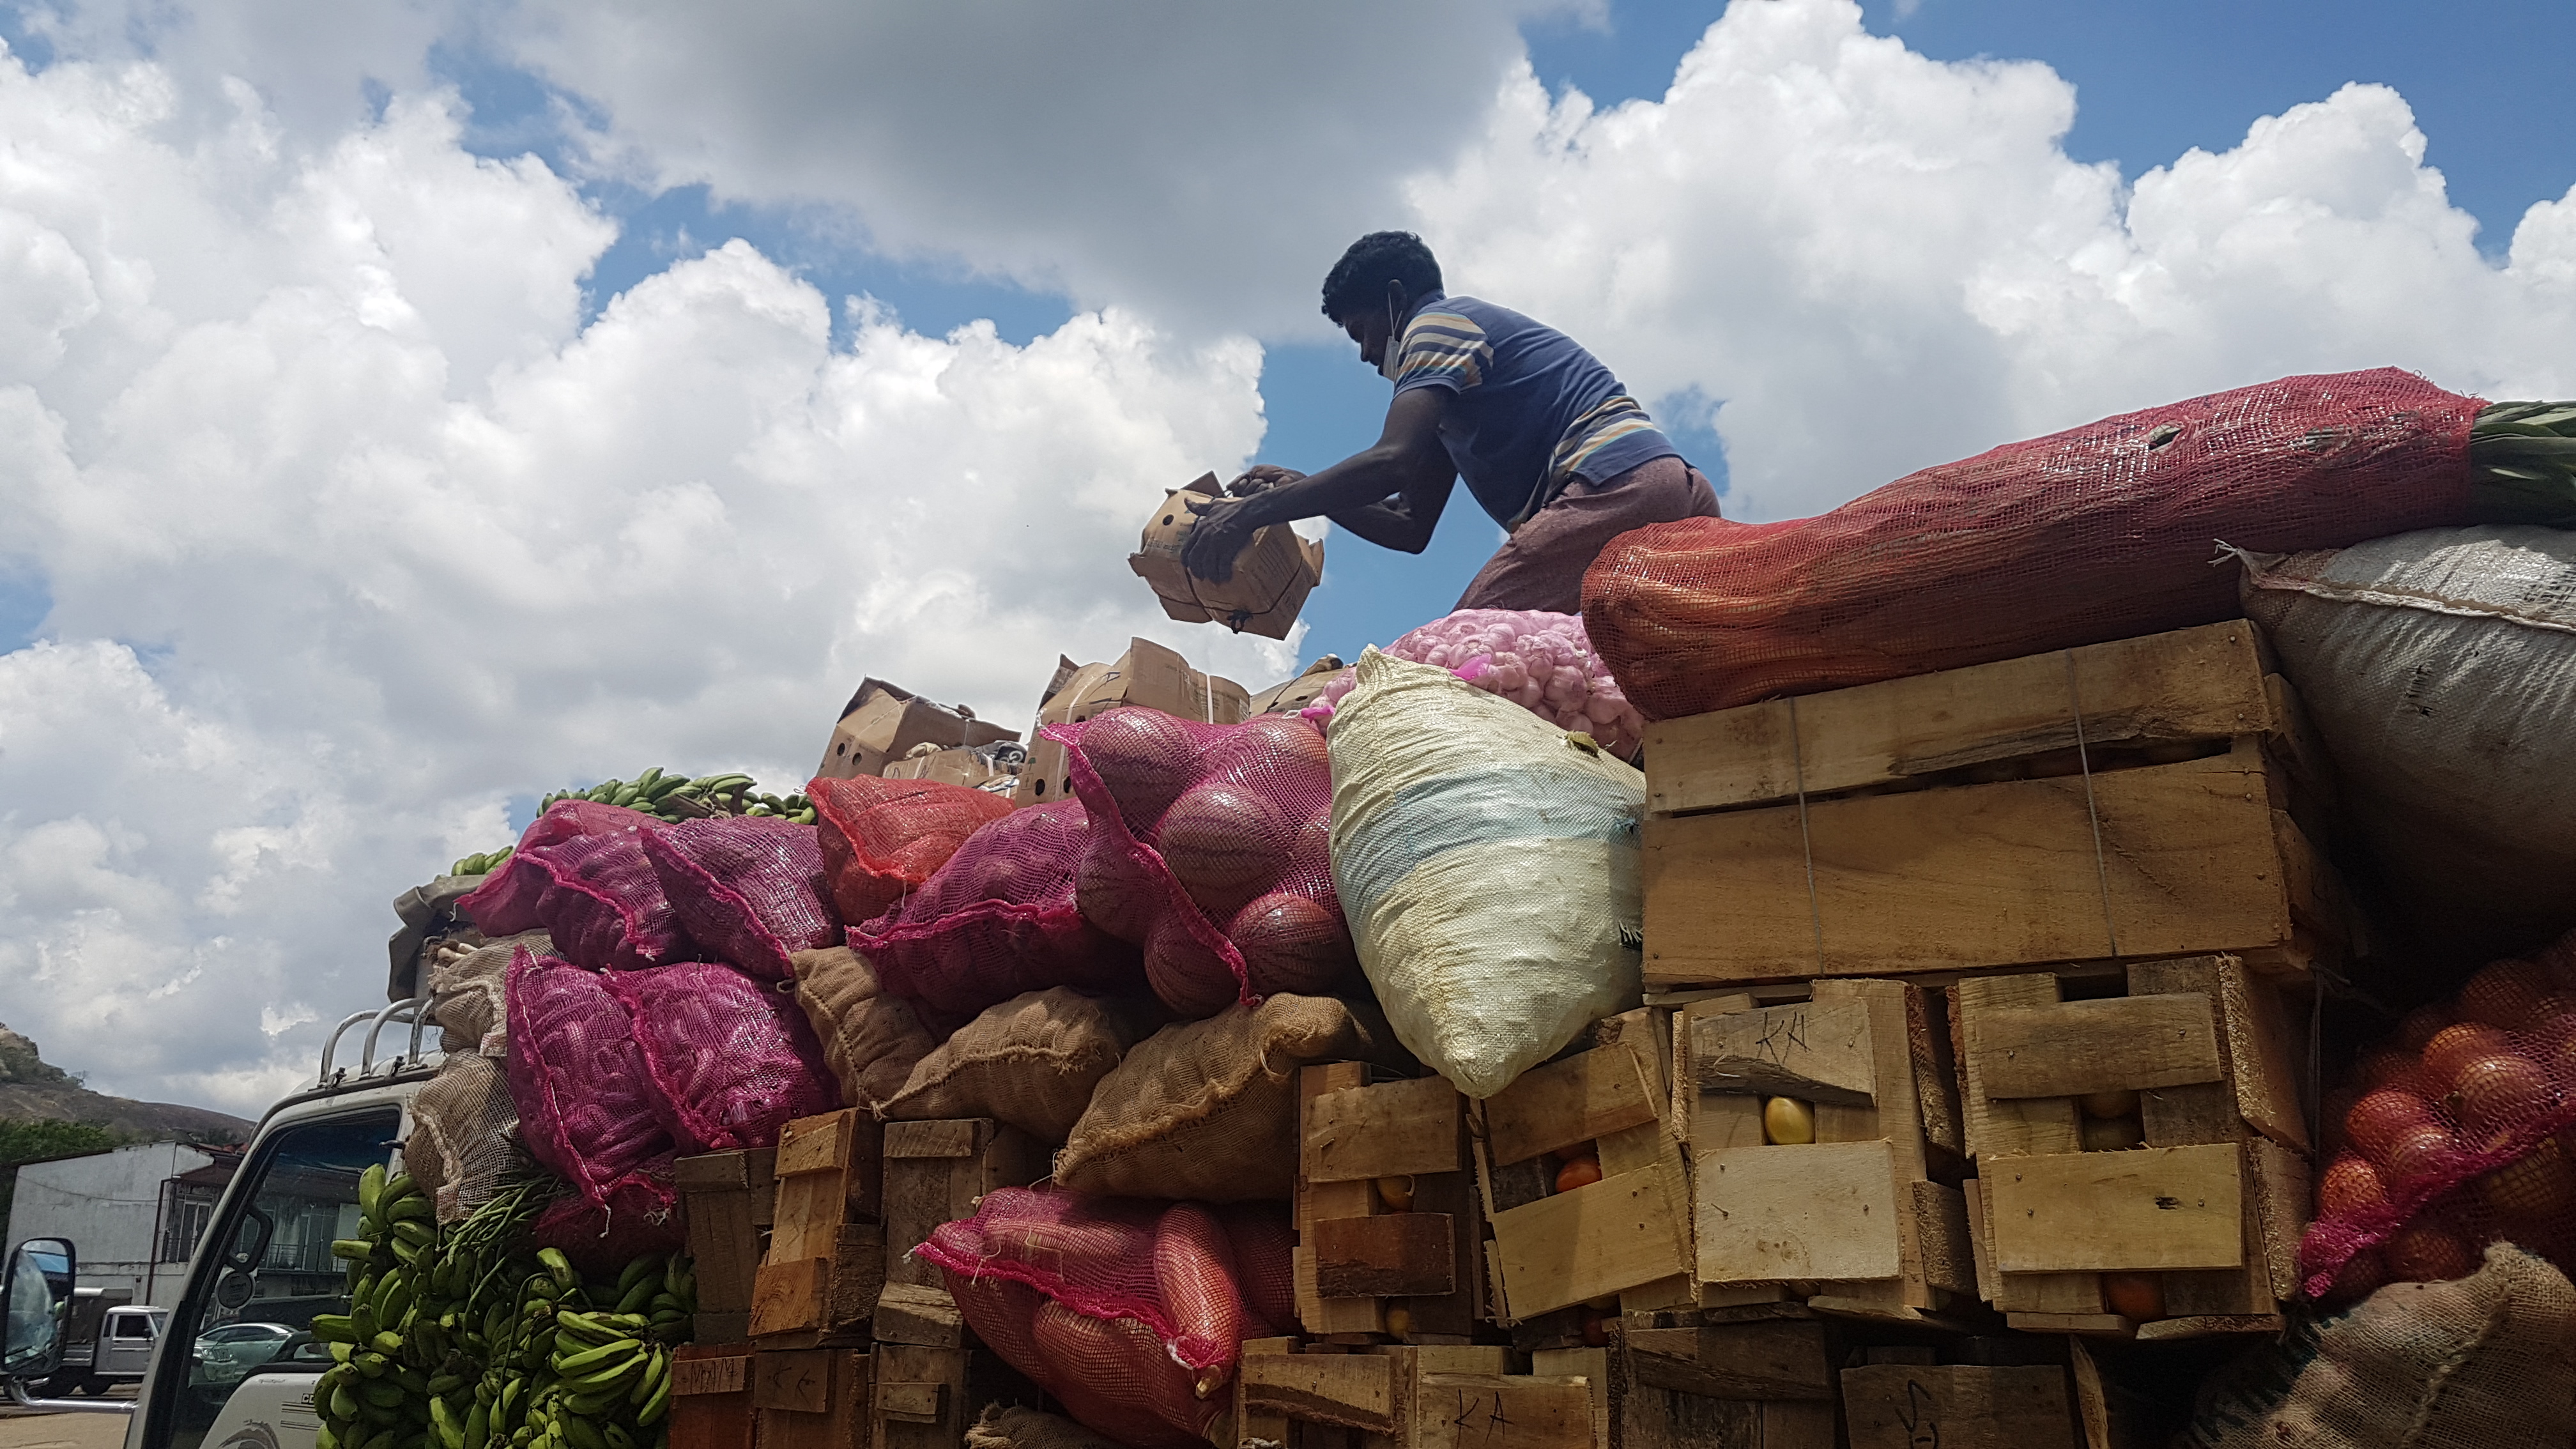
(1208,1109)
(1031,1061)
(871,1040)
(465,985)
(464,1136)
(1009,1426)
(2486,1362)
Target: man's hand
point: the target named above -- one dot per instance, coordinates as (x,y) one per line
(1260,478)
(1220,535)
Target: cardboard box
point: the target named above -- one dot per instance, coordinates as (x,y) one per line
(1147,674)
(968,767)
(1271,579)
(1291,695)
(882,722)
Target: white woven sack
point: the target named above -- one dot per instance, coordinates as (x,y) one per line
(2440,669)
(1487,861)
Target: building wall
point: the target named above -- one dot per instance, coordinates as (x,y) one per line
(106,1203)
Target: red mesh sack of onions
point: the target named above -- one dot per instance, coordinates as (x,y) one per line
(2456,1132)
(999,920)
(1130,1313)
(505,904)
(1209,850)
(578,1078)
(883,839)
(750,889)
(1544,662)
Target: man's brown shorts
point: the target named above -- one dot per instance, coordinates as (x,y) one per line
(1541,565)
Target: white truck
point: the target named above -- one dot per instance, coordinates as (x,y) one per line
(235,1364)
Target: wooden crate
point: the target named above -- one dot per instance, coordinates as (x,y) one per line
(1854,1222)
(1405,1396)
(826,1260)
(2148,798)
(924,1398)
(1390,1235)
(935,1172)
(728,1199)
(2213,1200)
(1959,1406)
(711,1396)
(1628,1234)
(1695,1379)
(811,1398)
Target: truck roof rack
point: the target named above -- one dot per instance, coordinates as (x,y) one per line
(411,1011)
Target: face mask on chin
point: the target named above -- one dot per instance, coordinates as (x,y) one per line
(1391,358)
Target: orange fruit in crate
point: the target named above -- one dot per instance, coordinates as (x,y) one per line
(2106,1105)
(2134,1296)
(1578,1172)
(1787,1121)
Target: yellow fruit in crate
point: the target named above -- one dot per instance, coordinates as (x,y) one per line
(1786,1120)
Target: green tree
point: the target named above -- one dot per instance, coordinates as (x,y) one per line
(40,1141)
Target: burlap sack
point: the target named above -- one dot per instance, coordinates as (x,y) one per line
(2485,1362)
(466,989)
(1031,1061)
(464,1135)
(1208,1109)
(871,1040)
(1009,1426)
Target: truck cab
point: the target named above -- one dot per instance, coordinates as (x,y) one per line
(233,1366)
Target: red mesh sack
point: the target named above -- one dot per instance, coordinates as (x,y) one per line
(749,889)
(2457,1132)
(731,1059)
(2098,533)
(883,839)
(638,1214)
(604,906)
(1208,849)
(584,1094)
(1129,1313)
(998,920)
(505,904)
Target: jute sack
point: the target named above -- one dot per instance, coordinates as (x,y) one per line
(467,989)
(2484,1362)
(1010,1426)
(1031,1061)
(464,1135)
(1208,1109)
(871,1040)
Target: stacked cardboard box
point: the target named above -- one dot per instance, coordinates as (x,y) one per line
(883,722)
(1147,674)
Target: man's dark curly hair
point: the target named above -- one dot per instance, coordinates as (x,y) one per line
(1358,281)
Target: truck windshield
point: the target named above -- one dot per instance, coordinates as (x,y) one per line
(270,1253)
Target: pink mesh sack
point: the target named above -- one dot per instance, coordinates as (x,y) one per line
(639,1213)
(749,889)
(998,920)
(604,906)
(1131,1314)
(584,1094)
(505,904)
(731,1059)
(883,839)
(1540,661)
(1208,849)
(2457,1132)
(2102,532)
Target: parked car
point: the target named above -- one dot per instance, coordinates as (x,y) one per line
(226,1354)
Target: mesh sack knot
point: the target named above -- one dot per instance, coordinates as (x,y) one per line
(506,903)
(750,889)
(584,1093)
(883,839)
(1131,1314)
(998,920)
(731,1059)
(2097,533)
(1209,849)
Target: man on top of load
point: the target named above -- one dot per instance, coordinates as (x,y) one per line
(1547,440)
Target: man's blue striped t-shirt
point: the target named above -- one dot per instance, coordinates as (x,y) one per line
(1532,410)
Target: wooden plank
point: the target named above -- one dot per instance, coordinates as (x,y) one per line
(929,1182)
(1655,1418)
(919,1314)
(1684,1076)
(719,1374)
(838,1379)
(724,1247)
(1395,1129)
(1816,1050)
(1779,1359)
(1936,1078)
(817,1144)
(920,1397)
(1475,1411)
(1313,1082)
(1898,1113)
(2190,684)
(1957,1406)
(1793,1424)
(1390,1255)
(1605,1369)
(1458,1310)
(2079,1293)
(1938,1221)
(2069,1048)
(799,1379)
(2264,1046)
(858,1275)
(2283,1198)
(1352,1390)
(1989,1283)
(1776,1214)
(1249,1425)
(791,1297)
(955,1137)
(1969,877)
(1620,1232)
(1321,1315)
(712,1172)
(2147,1209)
(1574,1100)
(2005,1128)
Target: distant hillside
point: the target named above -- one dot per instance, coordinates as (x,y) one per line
(34,1090)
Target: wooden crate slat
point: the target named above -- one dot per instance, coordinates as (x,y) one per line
(1773,1214)
(2146,1209)
(1394,1129)
(2070,1048)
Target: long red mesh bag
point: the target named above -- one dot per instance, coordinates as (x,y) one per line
(605,907)
(1130,1313)
(505,904)
(639,1213)
(750,889)
(731,1059)
(1208,849)
(584,1094)
(999,919)
(2458,1131)
(2101,532)
(883,839)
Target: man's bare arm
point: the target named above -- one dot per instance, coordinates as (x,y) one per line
(1407,460)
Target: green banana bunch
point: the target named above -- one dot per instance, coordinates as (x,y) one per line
(375,1394)
(791,807)
(482,864)
(2522,463)
(668,797)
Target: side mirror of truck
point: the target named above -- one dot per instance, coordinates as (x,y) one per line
(35,1290)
